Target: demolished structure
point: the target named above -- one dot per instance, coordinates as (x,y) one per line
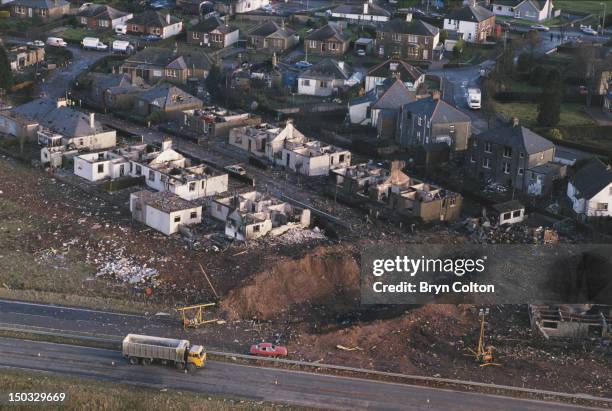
(168,170)
(572,321)
(214,121)
(403,194)
(289,148)
(252,215)
(164,211)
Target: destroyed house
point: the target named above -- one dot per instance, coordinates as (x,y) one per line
(116,91)
(357,179)
(264,140)
(168,170)
(572,321)
(167,99)
(164,211)
(254,214)
(217,121)
(415,198)
(23,56)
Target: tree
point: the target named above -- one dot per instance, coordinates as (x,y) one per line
(443,36)
(537,76)
(532,39)
(213,83)
(458,49)
(524,63)
(6,75)
(549,110)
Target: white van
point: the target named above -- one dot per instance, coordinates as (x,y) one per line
(56,42)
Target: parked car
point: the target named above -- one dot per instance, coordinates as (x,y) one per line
(266,349)
(151,37)
(588,30)
(56,42)
(540,27)
(361,53)
(236,169)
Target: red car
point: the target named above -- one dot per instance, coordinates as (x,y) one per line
(268,350)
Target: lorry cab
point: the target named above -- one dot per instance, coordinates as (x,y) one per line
(196,356)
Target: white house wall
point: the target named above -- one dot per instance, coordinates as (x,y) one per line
(172,30)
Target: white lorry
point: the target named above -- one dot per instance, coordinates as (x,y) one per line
(93,43)
(473,98)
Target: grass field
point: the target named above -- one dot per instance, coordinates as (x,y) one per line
(571,114)
(584,6)
(83,394)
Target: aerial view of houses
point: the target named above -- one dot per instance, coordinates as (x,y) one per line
(400,204)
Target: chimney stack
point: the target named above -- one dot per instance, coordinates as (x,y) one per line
(166,144)
(408,17)
(515,122)
(365,8)
(92,120)
(168,18)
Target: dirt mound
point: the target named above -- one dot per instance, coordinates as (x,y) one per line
(326,274)
(418,340)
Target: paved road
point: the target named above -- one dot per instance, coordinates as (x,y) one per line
(267,384)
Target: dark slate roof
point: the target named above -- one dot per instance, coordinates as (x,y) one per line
(63,120)
(511,3)
(211,23)
(415,27)
(101,11)
(405,70)
(166,96)
(40,4)
(512,205)
(395,96)
(327,32)
(271,27)
(153,18)
(438,110)
(517,136)
(593,177)
(113,81)
(471,13)
(165,57)
(327,69)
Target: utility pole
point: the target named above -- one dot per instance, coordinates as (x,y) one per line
(603,19)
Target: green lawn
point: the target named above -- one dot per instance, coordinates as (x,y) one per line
(75,35)
(523,87)
(571,114)
(584,6)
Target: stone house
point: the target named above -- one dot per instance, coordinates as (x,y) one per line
(407,39)
(213,33)
(44,9)
(155,23)
(327,40)
(272,37)
(473,22)
(101,16)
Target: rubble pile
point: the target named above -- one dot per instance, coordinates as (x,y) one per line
(481,231)
(114,265)
(297,236)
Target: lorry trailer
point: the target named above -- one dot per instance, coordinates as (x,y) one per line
(146,349)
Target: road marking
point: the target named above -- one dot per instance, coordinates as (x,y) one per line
(59,307)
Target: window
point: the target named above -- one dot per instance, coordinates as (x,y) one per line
(522,155)
(195,35)
(103,23)
(324,84)
(306,83)
(192,186)
(486,163)
(412,39)
(194,215)
(499,7)
(506,167)
(333,46)
(541,156)
(550,324)
(506,216)
(134,27)
(312,44)
(256,228)
(452,201)
(472,159)
(203,184)
(138,170)
(602,207)
(419,121)
(100,168)
(508,152)
(217,38)
(177,219)
(83,20)
(426,40)
(516,213)
(382,35)
(451,128)
(151,175)
(487,147)
(396,37)
(520,171)
(81,142)
(171,73)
